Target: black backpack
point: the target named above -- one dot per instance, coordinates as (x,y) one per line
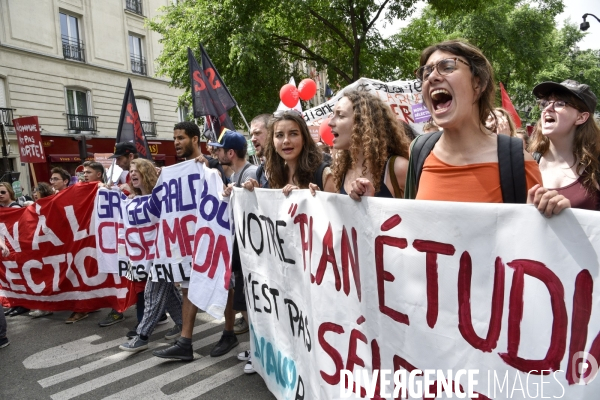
(511,163)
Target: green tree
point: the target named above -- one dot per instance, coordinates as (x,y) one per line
(255,45)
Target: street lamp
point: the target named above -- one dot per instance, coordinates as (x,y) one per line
(584,26)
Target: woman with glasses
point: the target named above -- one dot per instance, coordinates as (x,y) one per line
(372,147)
(567,146)
(293,160)
(7,196)
(463,162)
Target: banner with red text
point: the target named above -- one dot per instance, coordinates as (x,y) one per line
(403,97)
(52,263)
(495,300)
(179,233)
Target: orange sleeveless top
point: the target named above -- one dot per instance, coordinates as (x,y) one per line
(469,183)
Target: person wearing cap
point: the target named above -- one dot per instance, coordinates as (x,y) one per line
(124,153)
(568,146)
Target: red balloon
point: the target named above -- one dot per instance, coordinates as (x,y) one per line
(307,89)
(289,95)
(325,132)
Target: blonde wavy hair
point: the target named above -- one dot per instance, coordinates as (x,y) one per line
(148,173)
(586,145)
(376,132)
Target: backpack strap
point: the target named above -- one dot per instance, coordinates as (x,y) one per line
(239,179)
(537,157)
(511,163)
(392,175)
(420,151)
(318,176)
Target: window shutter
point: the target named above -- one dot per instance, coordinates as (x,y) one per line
(143,106)
(2,93)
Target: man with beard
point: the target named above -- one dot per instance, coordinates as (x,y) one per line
(258,132)
(186,136)
(124,153)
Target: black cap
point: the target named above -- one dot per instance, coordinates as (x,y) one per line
(124,149)
(579,90)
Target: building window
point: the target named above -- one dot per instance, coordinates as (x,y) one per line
(71,40)
(184,113)
(78,112)
(134,6)
(143,106)
(6,114)
(138,62)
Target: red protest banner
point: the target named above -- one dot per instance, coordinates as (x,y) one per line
(29,139)
(52,263)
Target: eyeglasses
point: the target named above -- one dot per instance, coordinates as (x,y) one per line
(443,67)
(3,192)
(54,179)
(291,111)
(557,105)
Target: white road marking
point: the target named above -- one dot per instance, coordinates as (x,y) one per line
(78,371)
(152,387)
(75,350)
(84,369)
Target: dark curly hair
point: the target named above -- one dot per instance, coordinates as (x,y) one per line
(376,132)
(308,161)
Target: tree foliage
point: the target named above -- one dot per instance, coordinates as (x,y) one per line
(520,38)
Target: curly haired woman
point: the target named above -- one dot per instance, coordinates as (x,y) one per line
(568,145)
(372,147)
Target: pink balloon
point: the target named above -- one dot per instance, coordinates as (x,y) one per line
(289,95)
(307,89)
(325,132)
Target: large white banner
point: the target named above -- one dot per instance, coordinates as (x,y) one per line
(495,300)
(404,98)
(179,233)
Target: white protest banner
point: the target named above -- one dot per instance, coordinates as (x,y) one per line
(435,297)
(179,233)
(399,95)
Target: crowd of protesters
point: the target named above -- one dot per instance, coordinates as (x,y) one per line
(459,157)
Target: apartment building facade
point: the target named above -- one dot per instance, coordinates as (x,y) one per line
(67,62)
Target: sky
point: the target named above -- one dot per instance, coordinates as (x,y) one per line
(574,9)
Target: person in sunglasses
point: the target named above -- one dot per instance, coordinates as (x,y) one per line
(568,145)
(464,162)
(7,196)
(372,147)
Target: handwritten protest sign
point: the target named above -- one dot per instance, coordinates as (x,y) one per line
(29,140)
(496,298)
(52,265)
(399,95)
(179,233)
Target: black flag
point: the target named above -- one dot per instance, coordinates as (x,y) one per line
(130,127)
(216,82)
(205,97)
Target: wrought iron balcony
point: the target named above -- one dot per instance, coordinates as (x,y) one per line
(73,49)
(134,6)
(138,65)
(149,128)
(6,116)
(81,123)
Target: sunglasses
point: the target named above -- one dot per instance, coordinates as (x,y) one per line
(443,67)
(3,192)
(291,111)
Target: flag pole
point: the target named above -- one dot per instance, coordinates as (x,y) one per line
(248,126)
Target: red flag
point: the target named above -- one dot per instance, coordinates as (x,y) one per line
(508,106)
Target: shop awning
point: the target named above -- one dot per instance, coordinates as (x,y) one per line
(74,158)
